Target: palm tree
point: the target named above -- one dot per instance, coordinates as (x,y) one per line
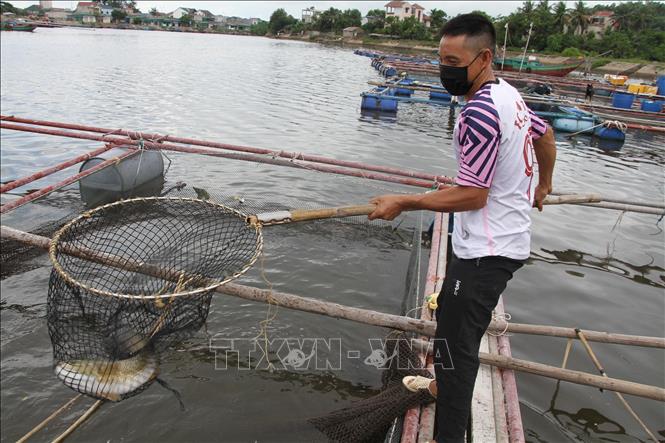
(579,17)
(560,17)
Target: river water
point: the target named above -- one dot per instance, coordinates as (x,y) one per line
(589,268)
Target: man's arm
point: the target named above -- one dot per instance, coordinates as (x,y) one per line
(545,150)
(450,199)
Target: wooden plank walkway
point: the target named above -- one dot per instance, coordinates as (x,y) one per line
(495,408)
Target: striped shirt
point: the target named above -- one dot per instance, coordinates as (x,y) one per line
(493,142)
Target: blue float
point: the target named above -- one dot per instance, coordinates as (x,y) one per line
(609,133)
(651,106)
(623,100)
(379,100)
(661,84)
(439,94)
(404,91)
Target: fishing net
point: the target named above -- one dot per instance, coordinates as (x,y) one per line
(369,420)
(134,277)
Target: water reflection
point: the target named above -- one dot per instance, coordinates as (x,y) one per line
(637,273)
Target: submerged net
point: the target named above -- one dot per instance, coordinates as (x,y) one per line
(134,277)
(369,420)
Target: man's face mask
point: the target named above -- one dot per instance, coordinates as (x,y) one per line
(456,78)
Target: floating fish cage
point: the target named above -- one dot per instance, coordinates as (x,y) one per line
(107,170)
(379,99)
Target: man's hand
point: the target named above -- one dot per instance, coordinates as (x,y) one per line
(387,207)
(539,196)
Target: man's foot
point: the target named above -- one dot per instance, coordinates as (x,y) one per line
(416,383)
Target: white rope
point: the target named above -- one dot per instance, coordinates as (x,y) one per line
(498,317)
(621,126)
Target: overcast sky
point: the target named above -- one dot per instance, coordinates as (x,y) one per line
(264,9)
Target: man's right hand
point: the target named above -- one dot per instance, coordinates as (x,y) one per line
(387,207)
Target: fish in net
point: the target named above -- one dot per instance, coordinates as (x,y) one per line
(133,278)
(369,420)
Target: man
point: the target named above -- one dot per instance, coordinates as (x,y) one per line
(494,139)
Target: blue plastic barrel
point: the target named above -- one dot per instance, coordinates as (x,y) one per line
(439,94)
(379,102)
(404,91)
(651,106)
(623,100)
(661,84)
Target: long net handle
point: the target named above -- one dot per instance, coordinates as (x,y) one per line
(338,212)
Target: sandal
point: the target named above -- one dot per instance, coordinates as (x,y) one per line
(416,382)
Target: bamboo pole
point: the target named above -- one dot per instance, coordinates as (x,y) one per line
(48,419)
(246,149)
(569,375)
(513,413)
(362,316)
(392,174)
(78,422)
(341,311)
(623,401)
(48,171)
(48,189)
(605,199)
(624,207)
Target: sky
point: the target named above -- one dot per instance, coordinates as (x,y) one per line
(263,9)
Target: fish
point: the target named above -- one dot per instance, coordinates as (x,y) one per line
(111,380)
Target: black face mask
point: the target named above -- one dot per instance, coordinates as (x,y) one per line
(455,78)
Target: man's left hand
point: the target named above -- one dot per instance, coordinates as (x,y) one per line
(539,196)
(387,207)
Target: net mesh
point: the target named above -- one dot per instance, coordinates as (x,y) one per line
(133,278)
(370,419)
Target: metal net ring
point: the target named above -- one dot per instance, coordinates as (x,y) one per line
(155,248)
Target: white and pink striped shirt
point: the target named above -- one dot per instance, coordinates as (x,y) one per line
(493,142)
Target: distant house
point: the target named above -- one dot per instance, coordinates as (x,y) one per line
(203,16)
(58,13)
(351,32)
(370,19)
(178,13)
(310,14)
(600,21)
(237,24)
(106,10)
(86,12)
(402,10)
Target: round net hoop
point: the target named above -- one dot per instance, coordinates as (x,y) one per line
(155,248)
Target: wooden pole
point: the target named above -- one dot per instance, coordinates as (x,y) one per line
(78,422)
(48,419)
(623,401)
(577,377)
(360,315)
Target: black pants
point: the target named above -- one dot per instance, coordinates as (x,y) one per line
(470,292)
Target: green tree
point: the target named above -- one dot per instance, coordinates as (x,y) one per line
(118,15)
(186,20)
(280,20)
(376,21)
(137,21)
(411,28)
(579,18)
(438,17)
(154,12)
(260,28)
(559,17)
(8,7)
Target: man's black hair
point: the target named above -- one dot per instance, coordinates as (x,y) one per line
(471,25)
